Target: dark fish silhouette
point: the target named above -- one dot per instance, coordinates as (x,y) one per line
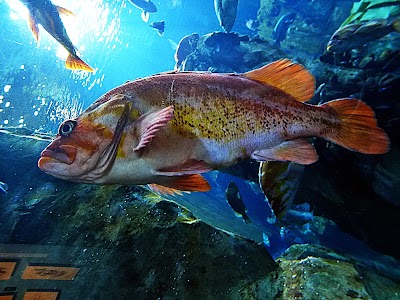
(226,13)
(354,36)
(186,46)
(281,28)
(146,6)
(159,26)
(45,13)
(279,181)
(235,200)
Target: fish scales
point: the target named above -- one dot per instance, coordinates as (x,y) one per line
(226,108)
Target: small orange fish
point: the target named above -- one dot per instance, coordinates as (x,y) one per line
(45,13)
(167,129)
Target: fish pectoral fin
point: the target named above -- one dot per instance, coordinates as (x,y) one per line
(34,28)
(287,76)
(186,183)
(149,124)
(191,166)
(299,151)
(145,16)
(64,11)
(75,63)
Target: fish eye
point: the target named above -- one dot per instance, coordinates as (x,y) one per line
(66,127)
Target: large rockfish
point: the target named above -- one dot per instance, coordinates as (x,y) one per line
(167,129)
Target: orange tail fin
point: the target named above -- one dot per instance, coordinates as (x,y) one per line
(75,63)
(358,129)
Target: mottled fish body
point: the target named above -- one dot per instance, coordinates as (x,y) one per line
(45,13)
(167,129)
(226,11)
(354,36)
(185,47)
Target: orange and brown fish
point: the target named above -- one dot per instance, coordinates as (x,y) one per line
(167,129)
(45,13)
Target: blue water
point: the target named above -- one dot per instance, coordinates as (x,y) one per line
(110,36)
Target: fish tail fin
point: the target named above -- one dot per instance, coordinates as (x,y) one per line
(75,63)
(357,129)
(396,24)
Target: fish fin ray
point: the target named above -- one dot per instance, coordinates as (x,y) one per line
(151,123)
(64,11)
(287,76)
(34,28)
(164,190)
(75,63)
(191,166)
(300,151)
(186,183)
(357,129)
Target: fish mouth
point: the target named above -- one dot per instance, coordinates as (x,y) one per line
(62,154)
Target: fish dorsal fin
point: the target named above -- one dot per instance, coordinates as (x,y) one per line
(287,76)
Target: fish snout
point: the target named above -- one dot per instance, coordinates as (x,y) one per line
(64,154)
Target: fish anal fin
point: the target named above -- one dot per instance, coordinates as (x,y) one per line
(290,77)
(180,184)
(164,190)
(34,27)
(64,11)
(75,63)
(191,166)
(299,151)
(149,124)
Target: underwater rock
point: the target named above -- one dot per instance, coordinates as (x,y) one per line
(387,178)
(230,52)
(315,272)
(319,278)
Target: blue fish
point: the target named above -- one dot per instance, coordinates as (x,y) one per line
(281,28)
(146,6)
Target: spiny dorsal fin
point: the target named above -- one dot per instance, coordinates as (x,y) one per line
(287,76)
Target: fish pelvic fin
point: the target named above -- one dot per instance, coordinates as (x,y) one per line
(186,183)
(34,27)
(64,11)
(357,129)
(145,16)
(75,63)
(290,77)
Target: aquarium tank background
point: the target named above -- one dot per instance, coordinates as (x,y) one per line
(326,230)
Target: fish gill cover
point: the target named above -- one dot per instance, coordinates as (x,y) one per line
(346,201)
